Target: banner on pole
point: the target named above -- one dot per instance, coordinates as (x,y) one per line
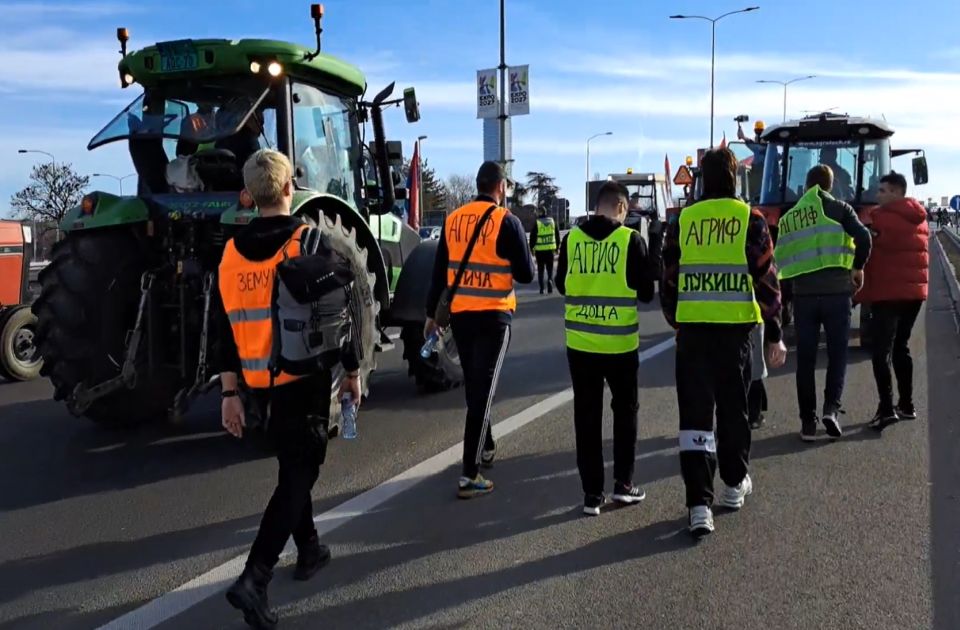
(487,99)
(519,90)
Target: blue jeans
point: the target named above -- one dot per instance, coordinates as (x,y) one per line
(809,313)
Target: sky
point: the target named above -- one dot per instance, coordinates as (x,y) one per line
(608,65)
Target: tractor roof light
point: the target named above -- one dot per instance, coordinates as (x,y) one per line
(759,126)
(123,36)
(689,160)
(274,69)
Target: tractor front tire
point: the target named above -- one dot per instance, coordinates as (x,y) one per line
(19,358)
(88,303)
(441,371)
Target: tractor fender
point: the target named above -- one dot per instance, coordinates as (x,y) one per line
(313,205)
(410,298)
(107,211)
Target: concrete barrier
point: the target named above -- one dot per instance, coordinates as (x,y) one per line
(950,274)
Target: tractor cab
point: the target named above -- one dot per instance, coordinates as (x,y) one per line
(647,197)
(856,149)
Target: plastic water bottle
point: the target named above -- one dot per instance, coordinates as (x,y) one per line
(348,412)
(430,345)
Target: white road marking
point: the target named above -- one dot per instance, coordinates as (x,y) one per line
(219,578)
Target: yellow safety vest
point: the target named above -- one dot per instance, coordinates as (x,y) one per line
(546,236)
(715,282)
(808,240)
(601,310)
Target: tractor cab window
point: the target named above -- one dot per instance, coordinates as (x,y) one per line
(850,182)
(194,136)
(325,142)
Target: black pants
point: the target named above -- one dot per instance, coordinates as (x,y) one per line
(588,371)
(298,421)
(545,261)
(810,312)
(892,324)
(482,344)
(713,375)
(756,400)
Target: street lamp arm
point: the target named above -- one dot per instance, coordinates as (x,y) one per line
(747,10)
(691,17)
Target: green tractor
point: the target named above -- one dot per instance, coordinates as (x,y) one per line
(125,324)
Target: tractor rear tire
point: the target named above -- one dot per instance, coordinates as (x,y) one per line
(19,358)
(89,297)
(442,371)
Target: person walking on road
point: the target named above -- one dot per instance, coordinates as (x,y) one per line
(719,282)
(544,239)
(482,307)
(603,270)
(822,248)
(895,287)
(296,408)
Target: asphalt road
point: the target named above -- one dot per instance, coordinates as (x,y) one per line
(861,533)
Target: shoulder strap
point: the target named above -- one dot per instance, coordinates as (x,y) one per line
(466,254)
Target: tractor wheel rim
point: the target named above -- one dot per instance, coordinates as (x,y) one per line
(24,348)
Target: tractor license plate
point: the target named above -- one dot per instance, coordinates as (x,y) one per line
(178,57)
(178,62)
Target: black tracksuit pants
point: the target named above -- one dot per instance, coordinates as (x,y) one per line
(297,426)
(482,343)
(713,376)
(892,325)
(545,262)
(588,372)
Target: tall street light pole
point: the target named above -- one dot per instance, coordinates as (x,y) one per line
(713,50)
(785,84)
(119,179)
(503,86)
(587,202)
(421,204)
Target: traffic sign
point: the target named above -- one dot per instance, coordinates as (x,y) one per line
(683,177)
(955,202)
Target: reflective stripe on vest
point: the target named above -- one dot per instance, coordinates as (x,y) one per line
(247,290)
(487,283)
(546,236)
(715,283)
(808,240)
(601,309)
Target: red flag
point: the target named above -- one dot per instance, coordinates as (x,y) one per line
(723,143)
(666,172)
(413,188)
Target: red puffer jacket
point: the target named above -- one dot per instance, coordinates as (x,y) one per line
(897,269)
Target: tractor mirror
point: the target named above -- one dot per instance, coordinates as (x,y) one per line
(410,105)
(920,175)
(395,152)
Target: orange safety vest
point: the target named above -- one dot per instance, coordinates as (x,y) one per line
(246,287)
(487,283)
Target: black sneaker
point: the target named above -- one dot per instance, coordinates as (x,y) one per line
(628,495)
(313,557)
(906,411)
(757,422)
(831,423)
(883,419)
(592,503)
(808,430)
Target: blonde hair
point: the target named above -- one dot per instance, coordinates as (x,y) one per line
(264,176)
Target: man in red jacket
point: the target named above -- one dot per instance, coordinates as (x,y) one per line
(895,287)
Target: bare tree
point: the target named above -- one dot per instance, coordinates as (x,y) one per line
(460,190)
(54,189)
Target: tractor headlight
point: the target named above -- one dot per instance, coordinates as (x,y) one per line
(255,67)
(274,69)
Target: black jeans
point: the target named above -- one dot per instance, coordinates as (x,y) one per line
(482,344)
(299,417)
(545,261)
(892,324)
(809,313)
(588,371)
(756,400)
(714,365)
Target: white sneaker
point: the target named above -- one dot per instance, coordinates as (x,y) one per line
(701,521)
(733,497)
